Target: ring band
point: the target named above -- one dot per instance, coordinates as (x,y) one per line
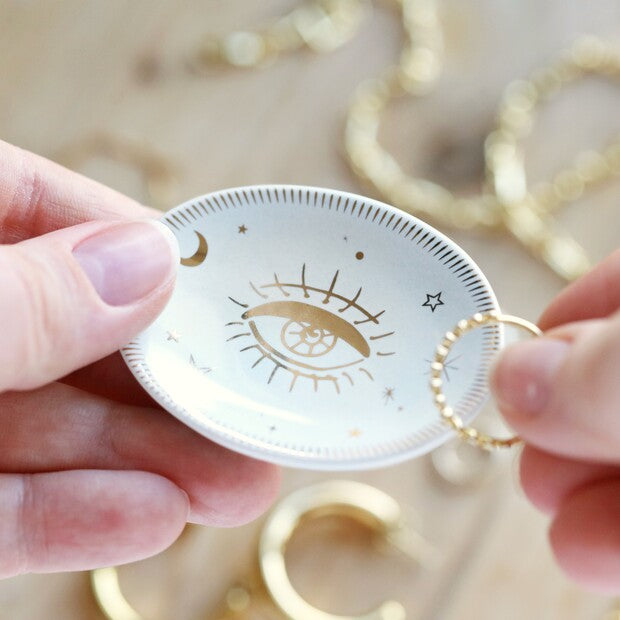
(469,434)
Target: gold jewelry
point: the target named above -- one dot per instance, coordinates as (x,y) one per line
(469,434)
(160,178)
(360,501)
(366,504)
(527,213)
(107,590)
(506,202)
(321,25)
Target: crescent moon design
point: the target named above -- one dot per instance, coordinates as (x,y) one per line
(201,253)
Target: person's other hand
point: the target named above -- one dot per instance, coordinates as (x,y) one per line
(561,393)
(92,473)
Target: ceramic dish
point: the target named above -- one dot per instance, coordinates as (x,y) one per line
(303,324)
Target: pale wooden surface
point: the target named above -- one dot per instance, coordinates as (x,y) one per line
(68,69)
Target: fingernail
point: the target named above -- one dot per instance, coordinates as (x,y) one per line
(128,261)
(522,378)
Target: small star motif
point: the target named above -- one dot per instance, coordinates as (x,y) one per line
(388,395)
(173,335)
(355,432)
(429,303)
(203,369)
(242,229)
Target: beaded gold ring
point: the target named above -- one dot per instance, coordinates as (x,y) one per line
(469,434)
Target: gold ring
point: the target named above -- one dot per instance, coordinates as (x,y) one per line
(341,497)
(467,433)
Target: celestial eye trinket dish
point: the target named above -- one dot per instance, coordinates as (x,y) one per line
(303,326)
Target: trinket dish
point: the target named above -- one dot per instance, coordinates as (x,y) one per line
(303,325)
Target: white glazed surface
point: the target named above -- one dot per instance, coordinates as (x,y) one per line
(229,358)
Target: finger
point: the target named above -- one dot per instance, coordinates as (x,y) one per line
(59,427)
(78,520)
(38,196)
(76,295)
(595,295)
(548,480)
(110,378)
(585,536)
(564,397)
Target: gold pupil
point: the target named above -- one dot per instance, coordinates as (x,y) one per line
(307,339)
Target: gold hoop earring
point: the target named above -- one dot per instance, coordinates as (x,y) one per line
(364,503)
(111,600)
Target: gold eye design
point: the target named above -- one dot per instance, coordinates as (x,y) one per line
(310,331)
(314,343)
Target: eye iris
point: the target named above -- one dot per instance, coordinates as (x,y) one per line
(307,339)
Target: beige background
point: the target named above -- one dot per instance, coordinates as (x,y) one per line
(69,69)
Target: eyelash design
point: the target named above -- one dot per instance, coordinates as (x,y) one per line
(310,331)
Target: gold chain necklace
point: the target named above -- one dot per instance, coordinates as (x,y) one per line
(506,202)
(320,25)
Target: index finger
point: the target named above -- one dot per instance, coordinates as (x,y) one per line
(38,196)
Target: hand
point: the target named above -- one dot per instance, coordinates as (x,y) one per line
(561,393)
(92,472)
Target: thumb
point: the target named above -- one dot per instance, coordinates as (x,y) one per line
(75,295)
(561,392)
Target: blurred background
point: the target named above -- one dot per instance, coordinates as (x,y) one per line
(128,92)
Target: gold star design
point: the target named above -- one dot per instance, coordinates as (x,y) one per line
(242,229)
(388,394)
(173,335)
(355,432)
